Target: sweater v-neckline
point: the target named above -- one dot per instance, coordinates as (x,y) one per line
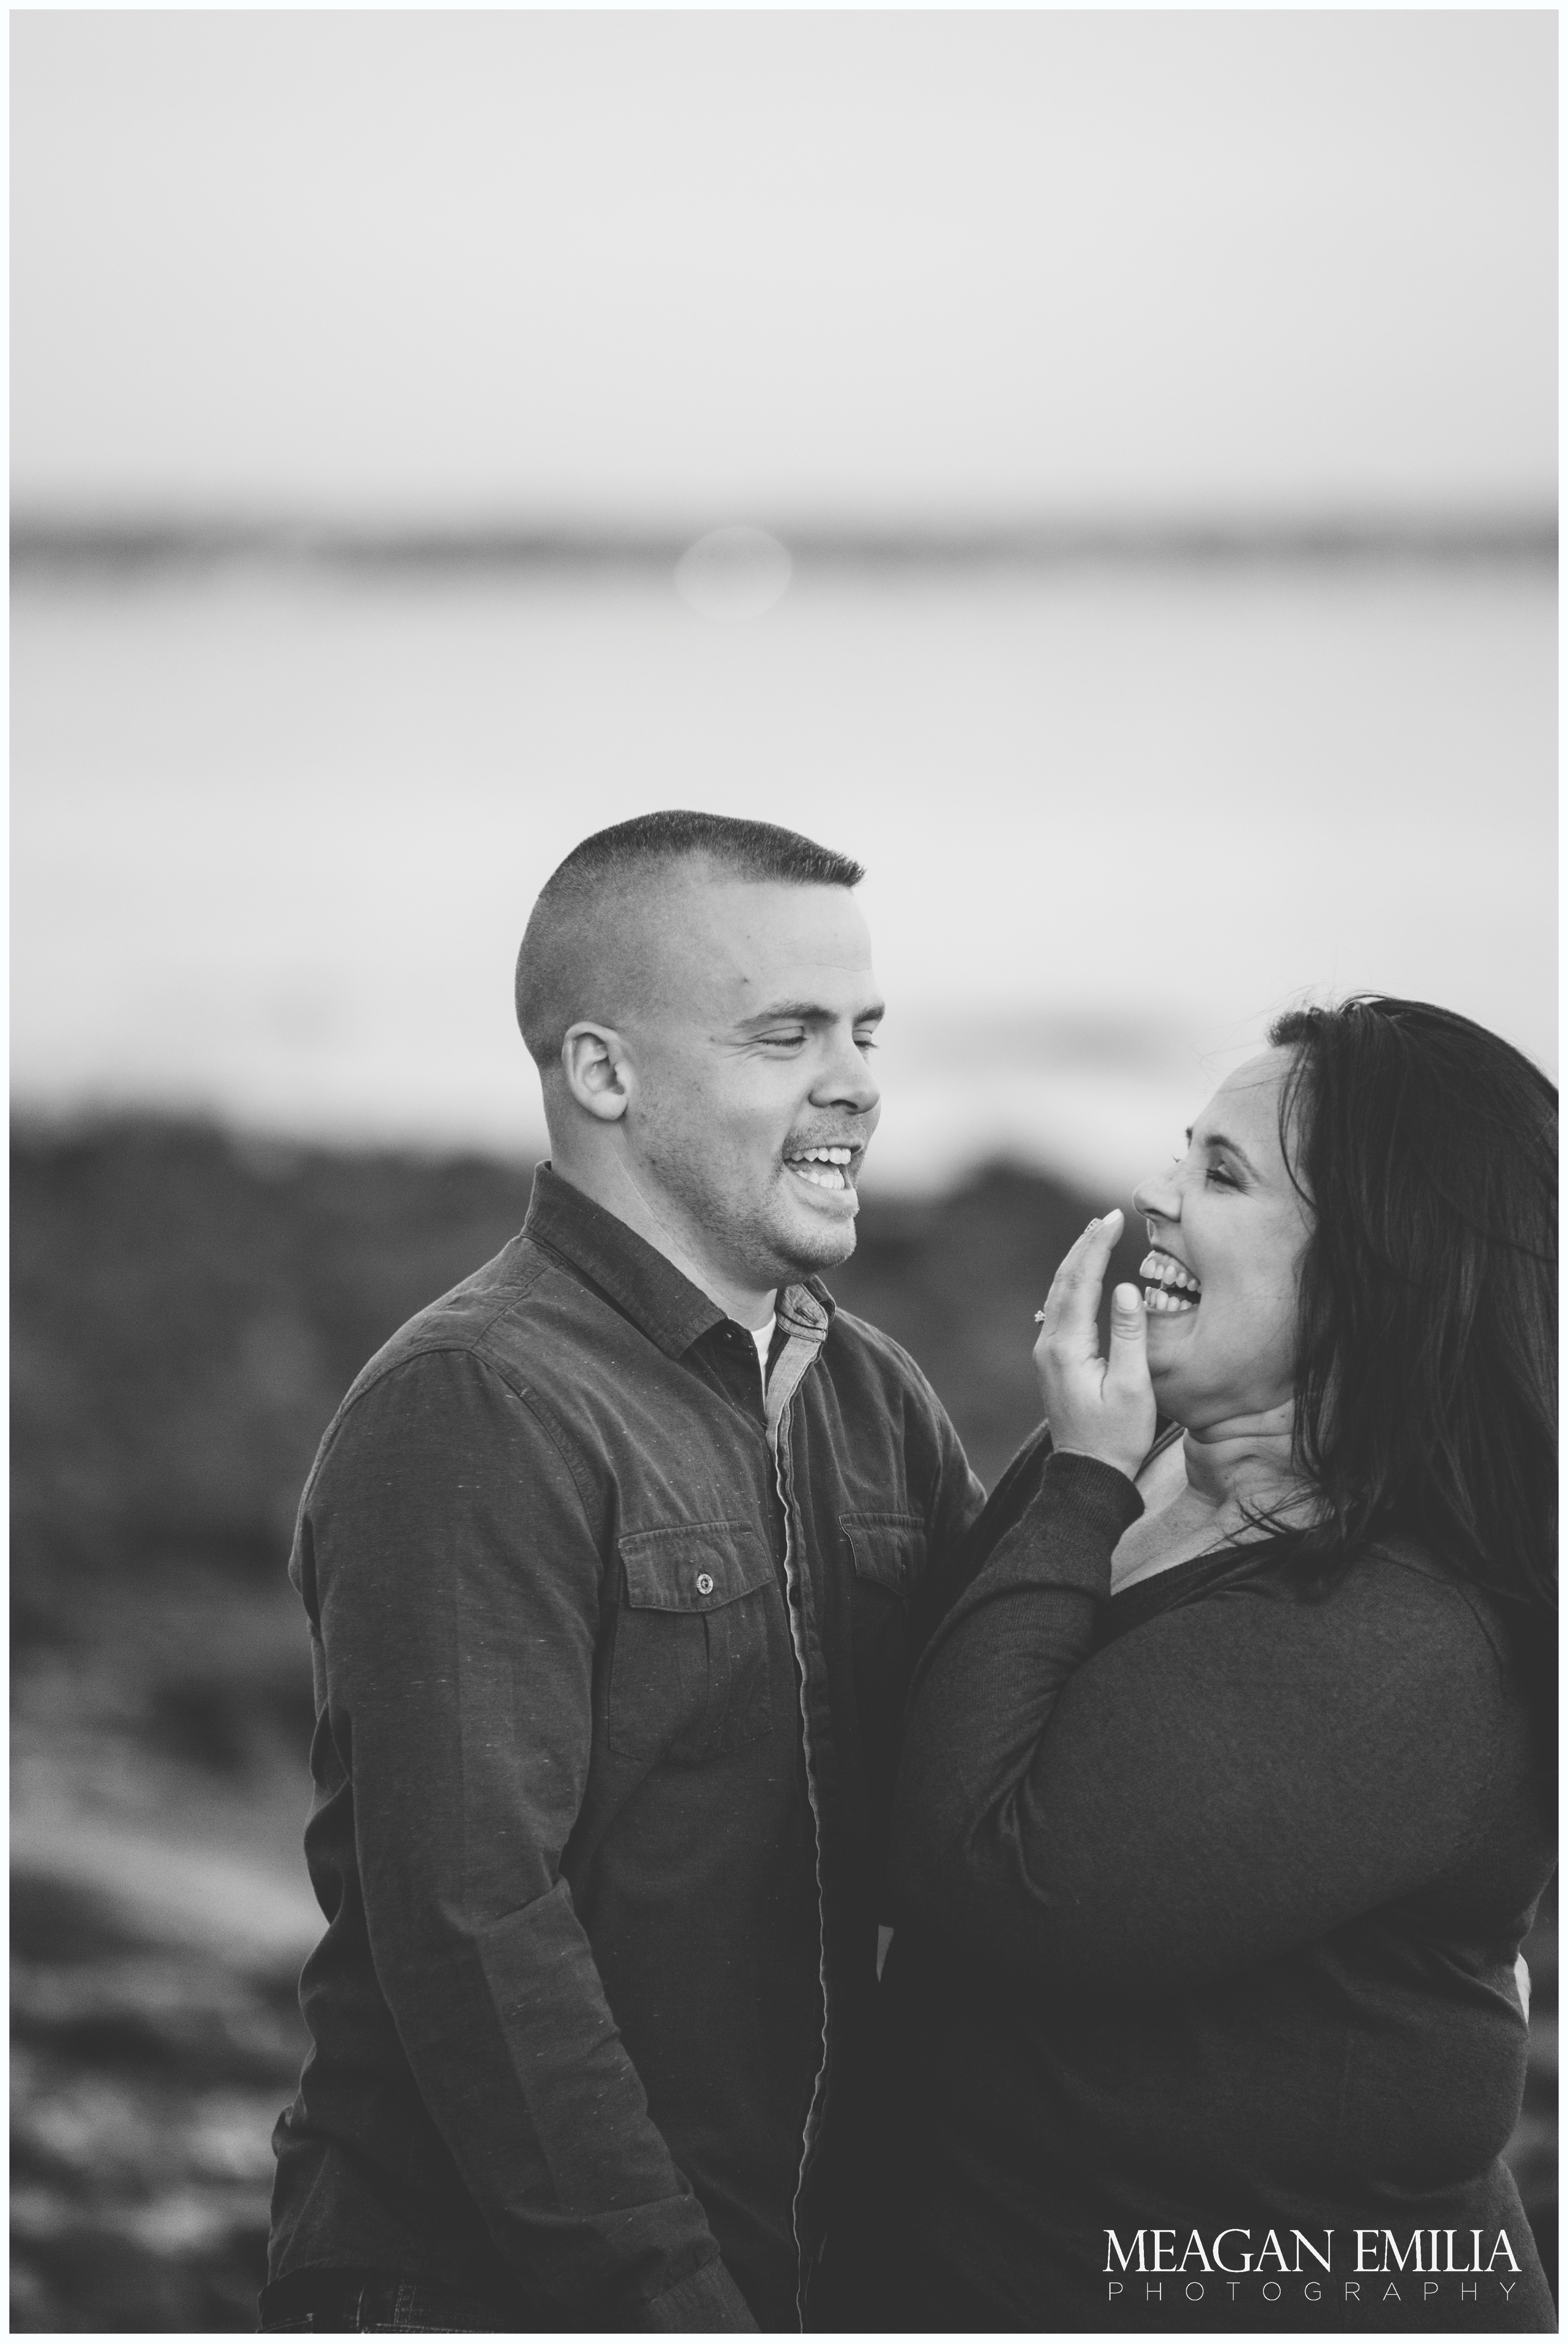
(1183,1582)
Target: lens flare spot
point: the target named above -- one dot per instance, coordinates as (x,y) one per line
(733,573)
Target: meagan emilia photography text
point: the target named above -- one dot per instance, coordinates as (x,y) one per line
(1370,2266)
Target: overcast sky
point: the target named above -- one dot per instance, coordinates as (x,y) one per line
(761,266)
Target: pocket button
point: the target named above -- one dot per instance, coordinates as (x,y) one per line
(704,1583)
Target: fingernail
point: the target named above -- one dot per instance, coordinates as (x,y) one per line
(1128,1298)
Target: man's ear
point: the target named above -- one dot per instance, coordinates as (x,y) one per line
(597,1071)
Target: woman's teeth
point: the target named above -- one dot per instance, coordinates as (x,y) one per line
(825,1166)
(1169,1290)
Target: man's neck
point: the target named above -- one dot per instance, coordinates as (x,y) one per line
(612,1185)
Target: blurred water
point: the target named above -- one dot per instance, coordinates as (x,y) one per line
(277,830)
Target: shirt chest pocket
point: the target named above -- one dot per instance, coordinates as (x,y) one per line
(887,1550)
(886,1553)
(689,1671)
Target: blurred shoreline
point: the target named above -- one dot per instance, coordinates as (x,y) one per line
(188,1308)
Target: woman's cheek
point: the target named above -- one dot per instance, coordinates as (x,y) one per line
(1282,1349)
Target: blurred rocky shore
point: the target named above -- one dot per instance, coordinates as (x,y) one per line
(188,1308)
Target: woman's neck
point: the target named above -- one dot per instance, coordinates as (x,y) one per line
(1243,1465)
(1209,1491)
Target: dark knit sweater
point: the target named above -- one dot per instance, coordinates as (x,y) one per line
(1209,1898)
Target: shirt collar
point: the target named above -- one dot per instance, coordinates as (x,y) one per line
(670,1310)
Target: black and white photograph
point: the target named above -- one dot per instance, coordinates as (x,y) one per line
(783,1170)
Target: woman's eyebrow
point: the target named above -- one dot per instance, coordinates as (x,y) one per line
(1231,1147)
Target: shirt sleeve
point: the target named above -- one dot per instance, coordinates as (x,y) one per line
(458,1587)
(1234,1778)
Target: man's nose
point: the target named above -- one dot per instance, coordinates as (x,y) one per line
(847,1080)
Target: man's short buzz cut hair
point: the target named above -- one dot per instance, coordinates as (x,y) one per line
(761,851)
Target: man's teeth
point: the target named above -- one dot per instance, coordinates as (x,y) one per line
(825,1166)
(1169,1290)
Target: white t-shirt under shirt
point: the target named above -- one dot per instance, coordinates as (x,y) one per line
(763,1336)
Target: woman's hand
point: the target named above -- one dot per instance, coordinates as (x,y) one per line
(1095,1406)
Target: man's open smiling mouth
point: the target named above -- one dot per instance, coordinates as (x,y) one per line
(824,1167)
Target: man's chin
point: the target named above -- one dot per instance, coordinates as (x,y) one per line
(809,1241)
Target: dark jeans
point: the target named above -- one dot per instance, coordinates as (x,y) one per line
(393,2306)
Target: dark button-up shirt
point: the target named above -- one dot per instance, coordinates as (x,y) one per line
(610,1654)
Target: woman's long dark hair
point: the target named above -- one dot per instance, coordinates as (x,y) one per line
(1426,1355)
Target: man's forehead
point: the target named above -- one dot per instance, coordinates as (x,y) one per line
(746,934)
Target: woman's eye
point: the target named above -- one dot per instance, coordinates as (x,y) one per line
(864,1041)
(1220,1177)
(782,1041)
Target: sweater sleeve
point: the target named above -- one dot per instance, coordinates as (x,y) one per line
(1234,1778)
(451,1568)
(978,1525)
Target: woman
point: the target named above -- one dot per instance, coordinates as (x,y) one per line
(1224,1802)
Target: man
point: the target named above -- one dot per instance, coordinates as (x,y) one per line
(609,1558)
